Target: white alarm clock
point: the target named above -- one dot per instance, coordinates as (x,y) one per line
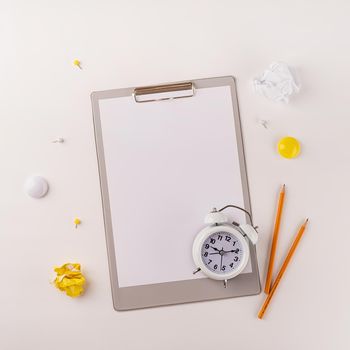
(221,249)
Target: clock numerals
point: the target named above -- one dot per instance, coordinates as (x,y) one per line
(222,252)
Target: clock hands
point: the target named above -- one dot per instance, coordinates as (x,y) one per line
(221,252)
(231,251)
(222,249)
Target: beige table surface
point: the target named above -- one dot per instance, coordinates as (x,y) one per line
(127,43)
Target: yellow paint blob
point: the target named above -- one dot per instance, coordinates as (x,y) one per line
(289,147)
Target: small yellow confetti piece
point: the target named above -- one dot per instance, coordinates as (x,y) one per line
(289,147)
(70,279)
(77,222)
(77,63)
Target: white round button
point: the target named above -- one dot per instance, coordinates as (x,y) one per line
(36,186)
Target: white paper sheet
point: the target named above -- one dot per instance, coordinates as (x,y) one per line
(168,164)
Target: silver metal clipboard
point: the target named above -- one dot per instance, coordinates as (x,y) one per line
(178,291)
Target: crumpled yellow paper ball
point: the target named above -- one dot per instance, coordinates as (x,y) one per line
(70,279)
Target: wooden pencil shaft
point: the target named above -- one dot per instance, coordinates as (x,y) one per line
(268,281)
(282,270)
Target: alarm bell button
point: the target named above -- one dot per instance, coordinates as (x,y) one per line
(250,231)
(215,217)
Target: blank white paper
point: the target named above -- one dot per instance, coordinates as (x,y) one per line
(168,164)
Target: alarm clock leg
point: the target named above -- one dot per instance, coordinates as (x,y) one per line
(225,283)
(195,271)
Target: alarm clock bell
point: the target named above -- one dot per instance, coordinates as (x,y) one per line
(216,217)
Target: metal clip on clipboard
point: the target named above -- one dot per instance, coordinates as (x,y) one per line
(167,92)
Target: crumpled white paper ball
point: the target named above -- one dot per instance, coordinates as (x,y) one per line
(277,82)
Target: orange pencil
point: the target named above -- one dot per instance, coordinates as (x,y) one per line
(274,241)
(283,269)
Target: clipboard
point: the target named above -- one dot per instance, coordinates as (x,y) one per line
(167,155)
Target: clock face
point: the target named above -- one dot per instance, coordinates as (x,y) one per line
(222,252)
